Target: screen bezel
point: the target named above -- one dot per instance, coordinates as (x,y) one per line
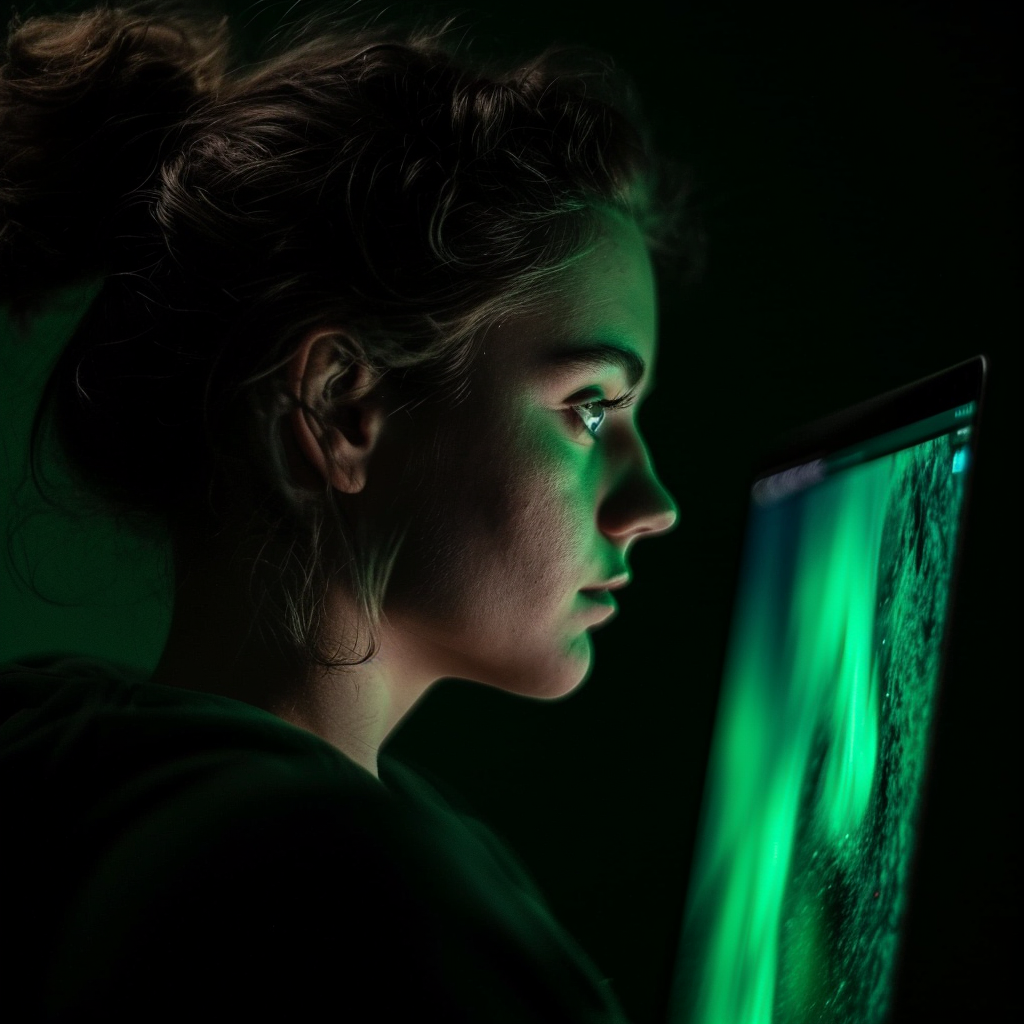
(891,411)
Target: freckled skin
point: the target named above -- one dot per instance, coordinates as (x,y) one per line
(524,507)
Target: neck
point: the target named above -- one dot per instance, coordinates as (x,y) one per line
(214,647)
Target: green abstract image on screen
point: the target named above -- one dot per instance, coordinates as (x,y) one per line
(800,874)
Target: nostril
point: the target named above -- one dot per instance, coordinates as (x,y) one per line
(663,522)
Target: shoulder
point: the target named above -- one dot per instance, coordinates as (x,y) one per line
(192,848)
(284,905)
(119,755)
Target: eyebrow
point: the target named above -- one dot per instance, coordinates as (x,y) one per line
(599,356)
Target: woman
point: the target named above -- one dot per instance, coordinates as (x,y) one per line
(374,324)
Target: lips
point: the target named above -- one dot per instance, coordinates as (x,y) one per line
(616,583)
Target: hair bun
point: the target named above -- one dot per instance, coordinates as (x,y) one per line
(86,102)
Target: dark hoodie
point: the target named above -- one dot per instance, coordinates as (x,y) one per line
(174,855)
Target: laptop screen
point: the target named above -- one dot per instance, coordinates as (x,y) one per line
(820,744)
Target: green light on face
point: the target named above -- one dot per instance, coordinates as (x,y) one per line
(798,884)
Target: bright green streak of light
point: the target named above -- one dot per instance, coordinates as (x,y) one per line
(819,656)
(833,631)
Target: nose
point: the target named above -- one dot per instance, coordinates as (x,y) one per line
(638,505)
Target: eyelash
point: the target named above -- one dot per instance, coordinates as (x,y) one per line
(622,402)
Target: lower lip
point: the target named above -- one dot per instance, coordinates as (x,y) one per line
(600,600)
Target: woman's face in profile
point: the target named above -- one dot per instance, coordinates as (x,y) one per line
(532,495)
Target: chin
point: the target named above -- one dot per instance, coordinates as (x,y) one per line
(549,678)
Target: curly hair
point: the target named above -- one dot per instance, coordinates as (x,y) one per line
(370,175)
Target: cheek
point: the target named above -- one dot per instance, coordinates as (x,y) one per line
(506,517)
(537,515)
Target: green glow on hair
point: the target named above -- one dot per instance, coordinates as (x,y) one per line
(799,879)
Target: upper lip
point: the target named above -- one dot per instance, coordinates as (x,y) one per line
(615,583)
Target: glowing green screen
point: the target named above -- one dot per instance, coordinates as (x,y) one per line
(799,881)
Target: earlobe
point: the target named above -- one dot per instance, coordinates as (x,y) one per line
(337,420)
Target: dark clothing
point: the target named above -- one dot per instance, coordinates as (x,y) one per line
(177,855)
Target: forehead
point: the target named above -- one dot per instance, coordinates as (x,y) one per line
(604,319)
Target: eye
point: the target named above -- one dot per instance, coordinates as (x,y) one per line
(592,414)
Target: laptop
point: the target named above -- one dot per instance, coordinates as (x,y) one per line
(820,750)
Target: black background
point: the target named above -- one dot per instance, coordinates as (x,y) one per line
(856,171)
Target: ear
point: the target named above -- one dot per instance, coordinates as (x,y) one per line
(338,421)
